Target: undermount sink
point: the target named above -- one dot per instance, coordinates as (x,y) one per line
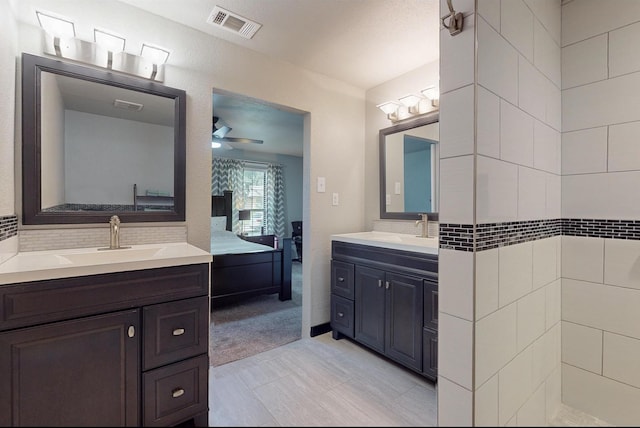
(99,256)
(401,241)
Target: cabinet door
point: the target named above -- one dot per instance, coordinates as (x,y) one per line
(430,354)
(404,319)
(82,372)
(369,307)
(431,304)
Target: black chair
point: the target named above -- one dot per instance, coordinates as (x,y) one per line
(296,237)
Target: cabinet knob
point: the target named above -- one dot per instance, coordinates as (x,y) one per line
(178,331)
(340,279)
(386,285)
(379,283)
(131,331)
(340,314)
(177,392)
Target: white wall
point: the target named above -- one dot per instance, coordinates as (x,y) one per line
(8,50)
(600,176)
(197,64)
(411,82)
(97,146)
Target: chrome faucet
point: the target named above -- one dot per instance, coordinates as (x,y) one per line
(114,232)
(425,225)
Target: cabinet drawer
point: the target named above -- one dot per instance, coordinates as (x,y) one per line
(342,315)
(175,330)
(176,392)
(342,279)
(430,304)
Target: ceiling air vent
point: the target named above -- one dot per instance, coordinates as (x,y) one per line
(127,105)
(233,22)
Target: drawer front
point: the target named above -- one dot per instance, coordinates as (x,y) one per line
(430,304)
(175,331)
(342,315)
(342,279)
(176,392)
(38,302)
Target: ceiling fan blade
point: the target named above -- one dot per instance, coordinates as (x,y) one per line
(240,140)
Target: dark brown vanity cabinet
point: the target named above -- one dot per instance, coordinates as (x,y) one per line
(391,293)
(117,349)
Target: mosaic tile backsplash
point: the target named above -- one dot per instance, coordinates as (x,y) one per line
(8,226)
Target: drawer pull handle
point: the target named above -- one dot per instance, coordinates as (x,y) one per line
(379,283)
(178,331)
(340,279)
(340,314)
(387,285)
(177,392)
(131,331)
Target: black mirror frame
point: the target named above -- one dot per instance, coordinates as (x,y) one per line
(32,67)
(409,124)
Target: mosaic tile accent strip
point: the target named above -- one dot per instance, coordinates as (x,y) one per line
(494,235)
(8,226)
(456,236)
(614,229)
(460,237)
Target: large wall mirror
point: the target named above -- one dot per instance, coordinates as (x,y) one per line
(409,169)
(95,144)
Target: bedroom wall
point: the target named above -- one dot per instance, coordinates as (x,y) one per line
(198,62)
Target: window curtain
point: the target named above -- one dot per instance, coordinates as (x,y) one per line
(275,224)
(226,174)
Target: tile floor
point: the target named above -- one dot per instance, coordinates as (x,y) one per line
(319,381)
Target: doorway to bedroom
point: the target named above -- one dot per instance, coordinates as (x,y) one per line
(257,153)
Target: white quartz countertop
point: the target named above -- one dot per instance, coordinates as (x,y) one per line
(38,265)
(397,241)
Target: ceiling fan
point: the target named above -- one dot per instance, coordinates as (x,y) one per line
(219,134)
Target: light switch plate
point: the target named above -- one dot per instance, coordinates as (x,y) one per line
(321,185)
(336,199)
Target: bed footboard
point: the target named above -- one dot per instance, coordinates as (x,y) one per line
(238,276)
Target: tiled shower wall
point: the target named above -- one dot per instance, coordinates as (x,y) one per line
(500,225)
(601,191)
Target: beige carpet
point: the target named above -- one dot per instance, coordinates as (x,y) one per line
(257,324)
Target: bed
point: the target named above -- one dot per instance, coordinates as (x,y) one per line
(242,268)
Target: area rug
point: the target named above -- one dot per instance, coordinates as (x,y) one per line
(257,324)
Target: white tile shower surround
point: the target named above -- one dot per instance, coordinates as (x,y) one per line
(320,381)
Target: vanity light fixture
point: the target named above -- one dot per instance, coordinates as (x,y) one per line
(411,105)
(154,54)
(107,50)
(390,108)
(58,27)
(109,41)
(412,102)
(433,93)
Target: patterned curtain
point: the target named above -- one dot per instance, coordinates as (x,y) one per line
(275,222)
(227,174)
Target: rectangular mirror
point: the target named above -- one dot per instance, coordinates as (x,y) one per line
(409,154)
(96,144)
